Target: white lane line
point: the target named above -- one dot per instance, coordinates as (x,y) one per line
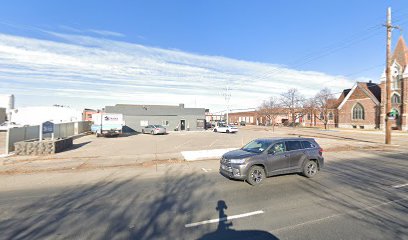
(224,219)
(400,185)
(183,143)
(212,144)
(206,169)
(337,215)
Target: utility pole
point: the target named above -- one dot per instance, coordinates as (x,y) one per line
(227,96)
(388,79)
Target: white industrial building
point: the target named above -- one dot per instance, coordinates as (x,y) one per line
(6,106)
(38,115)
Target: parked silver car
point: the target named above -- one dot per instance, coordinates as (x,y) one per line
(266,157)
(154,129)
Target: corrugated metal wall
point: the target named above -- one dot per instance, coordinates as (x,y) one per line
(61,130)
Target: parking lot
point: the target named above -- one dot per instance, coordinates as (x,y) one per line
(170,145)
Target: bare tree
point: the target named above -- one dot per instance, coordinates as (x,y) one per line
(292,100)
(310,109)
(270,109)
(324,100)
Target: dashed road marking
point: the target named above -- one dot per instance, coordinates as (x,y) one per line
(216,220)
(206,169)
(400,185)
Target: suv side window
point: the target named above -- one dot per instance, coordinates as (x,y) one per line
(277,148)
(307,144)
(293,145)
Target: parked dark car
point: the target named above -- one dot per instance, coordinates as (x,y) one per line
(267,157)
(242,123)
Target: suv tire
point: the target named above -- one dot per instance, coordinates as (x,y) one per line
(310,169)
(256,175)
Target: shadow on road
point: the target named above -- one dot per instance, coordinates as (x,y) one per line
(329,136)
(367,194)
(224,230)
(127,209)
(77,145)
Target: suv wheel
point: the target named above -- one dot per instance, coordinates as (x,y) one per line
(256,175)
(310,169)
(227,131)
(143,131)
(152,132)
(215,130)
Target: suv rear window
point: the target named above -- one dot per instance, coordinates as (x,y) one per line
(307,144)
(293,145)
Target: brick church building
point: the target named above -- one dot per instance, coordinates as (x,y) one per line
(399,87)
(363,106)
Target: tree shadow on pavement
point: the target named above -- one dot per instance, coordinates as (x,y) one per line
(366,193)
(139,208)
(224,230)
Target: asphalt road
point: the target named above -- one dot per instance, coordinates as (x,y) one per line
(363,197)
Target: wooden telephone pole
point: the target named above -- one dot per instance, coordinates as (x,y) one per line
(388,80)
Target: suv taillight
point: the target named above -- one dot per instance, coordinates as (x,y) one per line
(321,151)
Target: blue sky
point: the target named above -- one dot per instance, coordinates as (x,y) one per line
(97,53)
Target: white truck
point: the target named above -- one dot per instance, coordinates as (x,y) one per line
(107,124)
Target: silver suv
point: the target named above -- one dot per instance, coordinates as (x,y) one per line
(266,157)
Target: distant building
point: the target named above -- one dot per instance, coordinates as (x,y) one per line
(359,107)
(171,117)
(249,117)
(3,115)
(399,88)
(213,117)
(7,102)
(37,115)
(87,114)
(317,118)
(254,118)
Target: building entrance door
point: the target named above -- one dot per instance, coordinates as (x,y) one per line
(182,125)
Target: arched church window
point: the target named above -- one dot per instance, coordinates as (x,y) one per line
(358,112)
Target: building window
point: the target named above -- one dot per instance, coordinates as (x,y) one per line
(321,116)
(395,98)
(165,123)
(358,112)
(200,123)
(330,116)
(394,84)
(308,116)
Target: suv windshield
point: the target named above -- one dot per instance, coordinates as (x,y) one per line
(257,146)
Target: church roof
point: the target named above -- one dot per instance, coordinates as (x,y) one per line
(372,90)
(401,53)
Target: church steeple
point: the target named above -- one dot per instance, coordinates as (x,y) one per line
(401,53)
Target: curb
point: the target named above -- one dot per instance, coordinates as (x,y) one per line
(204,154)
